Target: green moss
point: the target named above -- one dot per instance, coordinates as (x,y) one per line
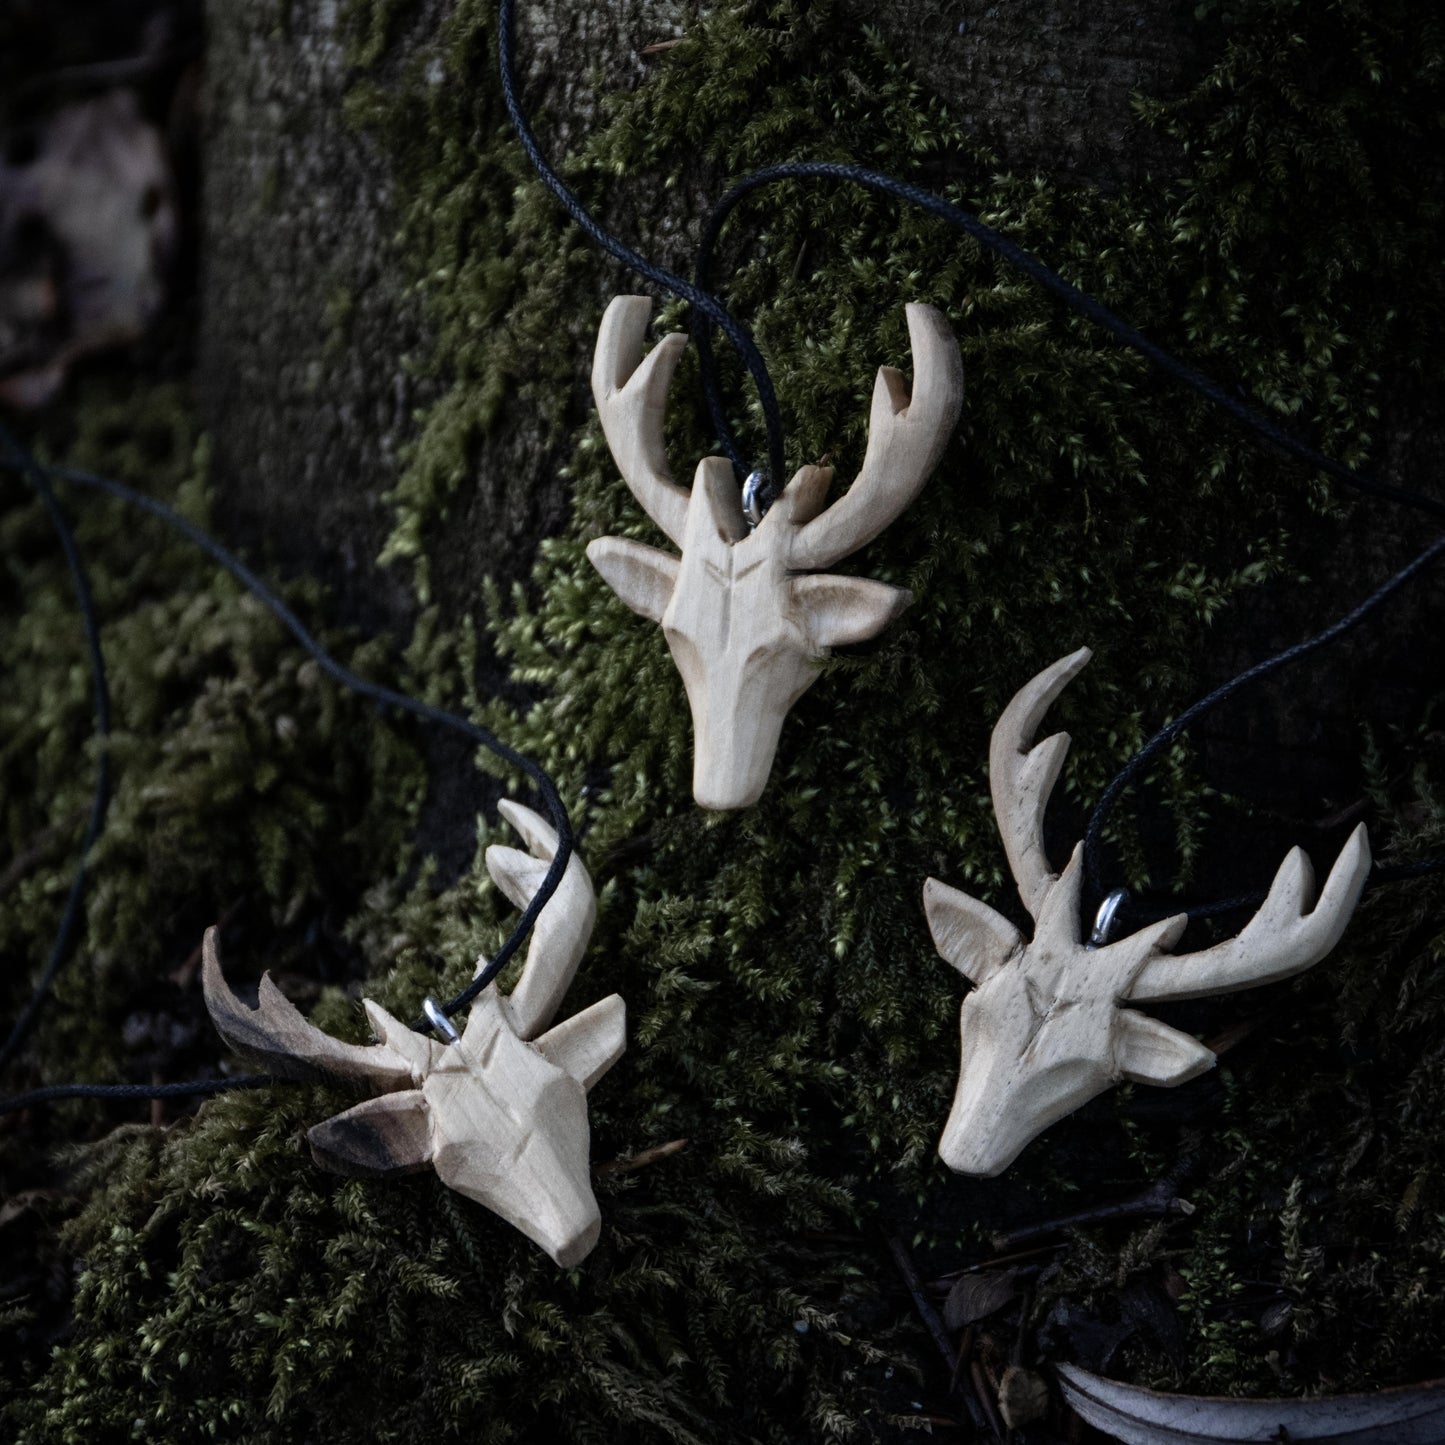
(242,778)
(788,1015)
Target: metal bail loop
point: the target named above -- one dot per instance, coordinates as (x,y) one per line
(439,1021)
(756,500)
(1105,918)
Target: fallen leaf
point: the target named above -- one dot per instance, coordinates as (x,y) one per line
(1077,1334)
(977,1296)
(1408,1415)
(1022,1397)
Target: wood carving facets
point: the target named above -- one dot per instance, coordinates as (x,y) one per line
(501,1114)
(1044,1028)
(745,615)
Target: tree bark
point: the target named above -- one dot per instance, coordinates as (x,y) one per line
(304,381)
(1049,88)
(309,396)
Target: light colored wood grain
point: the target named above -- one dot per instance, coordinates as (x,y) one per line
(1044,1029)
(745,617)
(501,1114)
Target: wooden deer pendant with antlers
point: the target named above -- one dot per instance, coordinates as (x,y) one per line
(501,1113)
(745,614)
(1044,1029)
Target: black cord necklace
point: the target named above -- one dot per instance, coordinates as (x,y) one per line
(18,458)
(707,310)
(66,934)
(1132,770)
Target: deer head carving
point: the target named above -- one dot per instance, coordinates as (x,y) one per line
(501,1113)
(745,614)
(1045,1028)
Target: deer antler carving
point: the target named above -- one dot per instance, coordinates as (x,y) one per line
(1044,1028)
(501,1113)
(743,613)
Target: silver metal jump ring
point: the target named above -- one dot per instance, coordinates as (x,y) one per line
(439,1021)
(1105,918)
(755,498)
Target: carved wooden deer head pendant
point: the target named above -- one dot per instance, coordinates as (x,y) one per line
(745,615)
(501,1113)
(1045,1028)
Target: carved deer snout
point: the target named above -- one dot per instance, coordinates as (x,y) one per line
(501,1112)
(1045,1028)
(745,620)
(1011,1025)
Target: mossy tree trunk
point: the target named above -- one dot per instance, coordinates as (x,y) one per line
(314,358)
(312,367)
(314,337)
(313,330)
(397,332)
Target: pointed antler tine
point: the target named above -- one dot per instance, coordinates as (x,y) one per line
(722,507)
(1022,776)
(1349,875)
(906,437)
(937,371)
(562,930)
(275,1035)
(1285,903)
(631,395)
(1281,939)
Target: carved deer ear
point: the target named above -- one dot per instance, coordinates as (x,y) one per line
(589,1043)
(383,1136)
(968,934)
(840,610)
(641,576)
(1149,1052)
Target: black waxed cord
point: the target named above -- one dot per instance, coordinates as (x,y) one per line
(22,461)
(702,302)
(1180,371)
(1131,771)
(1051,281)
(384,695)
(189,1088)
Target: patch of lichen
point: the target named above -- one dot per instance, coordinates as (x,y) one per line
(787,1012)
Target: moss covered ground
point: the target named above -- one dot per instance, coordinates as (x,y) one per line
(198,1278)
